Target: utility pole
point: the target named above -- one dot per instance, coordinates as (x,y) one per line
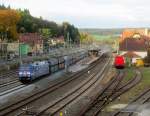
(126,44)
(117,46)
(20,57)
(68,39)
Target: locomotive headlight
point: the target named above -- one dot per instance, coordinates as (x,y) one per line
(28,73)
(20,73)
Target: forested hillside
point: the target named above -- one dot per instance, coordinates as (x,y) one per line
(14,21)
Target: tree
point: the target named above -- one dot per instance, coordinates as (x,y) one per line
(26,23)
(2,7)
(8,22)
(72,32)
(85,38)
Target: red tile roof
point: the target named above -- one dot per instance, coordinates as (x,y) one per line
(131,55)
(30,38)
(127,33)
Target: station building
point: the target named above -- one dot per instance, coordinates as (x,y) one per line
(133,43)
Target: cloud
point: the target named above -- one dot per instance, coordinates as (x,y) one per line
(84,13)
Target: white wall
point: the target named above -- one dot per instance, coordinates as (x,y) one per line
(142,54)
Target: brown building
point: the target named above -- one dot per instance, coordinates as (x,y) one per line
(135,41)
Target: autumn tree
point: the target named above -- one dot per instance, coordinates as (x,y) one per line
(8,22)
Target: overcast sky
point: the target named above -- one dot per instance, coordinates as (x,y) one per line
(90,13)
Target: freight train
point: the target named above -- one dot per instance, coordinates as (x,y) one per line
(32,71)
(119,62)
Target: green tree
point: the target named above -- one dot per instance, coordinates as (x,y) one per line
(72,32)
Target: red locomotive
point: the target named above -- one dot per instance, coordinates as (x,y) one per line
(119,62)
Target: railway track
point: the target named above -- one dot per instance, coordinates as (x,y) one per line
(14,81)
(133,106)
(9,81)
(8,78)
(11,108)
(112,91)
(9,91)
(58,105)
(102,98)
(130,84)
(8,74)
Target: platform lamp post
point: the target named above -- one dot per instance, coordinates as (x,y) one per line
(116,46)
(68,40)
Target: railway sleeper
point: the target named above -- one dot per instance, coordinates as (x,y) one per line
(112,92)
(102,99)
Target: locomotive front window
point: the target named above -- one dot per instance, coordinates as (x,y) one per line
(25,68)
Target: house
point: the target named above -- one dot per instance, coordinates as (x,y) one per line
(56,42)
(134,42)
(34,40)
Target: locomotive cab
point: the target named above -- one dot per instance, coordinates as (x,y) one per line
(25,73)
(119,62)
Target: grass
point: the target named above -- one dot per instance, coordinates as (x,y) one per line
(135,91)
(104,37)
(129,75)
(146,77)
(144,84)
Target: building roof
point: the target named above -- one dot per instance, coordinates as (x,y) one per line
(30,38)
(127,33)
(133,40)
(131,55)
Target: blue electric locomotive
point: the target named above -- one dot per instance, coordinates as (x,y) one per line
(29,72)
